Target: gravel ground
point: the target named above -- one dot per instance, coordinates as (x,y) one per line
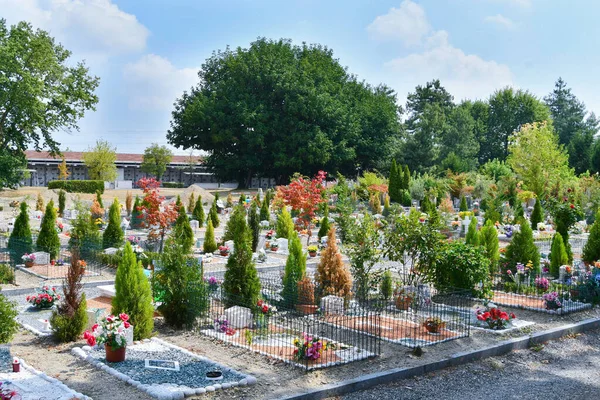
(561,369)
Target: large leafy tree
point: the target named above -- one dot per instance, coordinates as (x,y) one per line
(155,160)
(41,92)
(100,161)
(459,138)
(276,108)
(509,109)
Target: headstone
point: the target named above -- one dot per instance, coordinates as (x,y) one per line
(124,224)
(332,305)
(38,215)
(195,225)
(260,194)
(264,224)
(129,335)
(283,245)
(238,317)
(42,258)
(74,214)
(67,214)
(562,273)
(107,290)
(229,245)
(111,251)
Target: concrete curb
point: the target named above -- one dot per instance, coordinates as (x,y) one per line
(392,375)
(20,291)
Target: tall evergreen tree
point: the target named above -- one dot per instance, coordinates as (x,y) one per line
(210,245)
(198,213)
(463,204)
(113,234)
(265,215)
(214,215)
(254,224)
(133,295)
(233,224)
(48,240)
(472,237)
(295,269)
(20,241)
(325,226)
(182,232)
(558,255)
(285,225)
(393,188)
(522,249)
(537,215)
(62,199)
(191,204)
(488,237)
(137,220)
(405,178)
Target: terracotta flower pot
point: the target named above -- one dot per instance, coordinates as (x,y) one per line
(224,253)
(28,264)
(274,248)
(312,253)
(306,309)
(434,327)
(403,302)
(114,355)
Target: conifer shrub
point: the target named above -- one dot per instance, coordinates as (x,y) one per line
(472,237)
(522,249)
(191,204)
(99,198)
(285,225)
(229,202)
(62,200)
(463,204)
(537,215)
(233,225)
(198,213)
(376,204)
(113,234)
(128,203)
(265,215)
(488,237)
(182,231)
(406,200)
(254,224)
(137,216)
(462,266)
(8,319)
(39,204)
(386,286)
(558,255)
(210,245)
(133,294)
(332,276)
(325,227)
(85,236)
(394,183)
(214,215)
(386,206)
(306,291)
(295,269)
(242,199)
(20,241)
(406,178)
(591,250)
(48,240)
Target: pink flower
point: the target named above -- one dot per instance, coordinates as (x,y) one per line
(110,319)
(123,317)
(91,340)
(94,327)
(126,324)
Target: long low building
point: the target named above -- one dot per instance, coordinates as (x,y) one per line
(43,168)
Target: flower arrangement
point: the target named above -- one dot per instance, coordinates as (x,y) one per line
(213,284)
(269,235)
(110,331)
(542,283)
(99,222)
(224,250)
(552,301)
(403,299)
(266,309)
(274,246)
(222,325)
(455,225)
(495,318)
(134,240)
(81,264)
(309,347)
(45,298)
(7,394)
(59,227)
(60,262)
(28,258)
(434,324)
(541,227)
(568,270)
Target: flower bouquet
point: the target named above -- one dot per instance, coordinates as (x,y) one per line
(309,347)
(7,394)
(111,331)
(224,251)
(266,309)
(222,325)
(44,299)
(274,246)
(269,235)
(552,301)
(312,250)
(495,318)
(213,284)
(434,324)
(542,284)
(28,259)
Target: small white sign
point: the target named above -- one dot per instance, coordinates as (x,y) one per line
(162,364)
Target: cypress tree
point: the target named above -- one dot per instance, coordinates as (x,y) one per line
(405,178)
(522,248)
(229,203)
(113,235)
(62,199)
(99,198)
(137,219)
(20,241)
(376,204)
(213,214)
(133,294)
(39,204)
(198,213)
(386,206)
(591,250)
(210,245)
(182,232)
(295,269)
(463,204)
(520,212)
(325,227)
(393,188)
(239,212)
(242,199)
(426,205)
(241,284)
(179,204)
(537,215)
(254,223)
(265,215)
(191,204)
(285,225)
(332,275)
(48,240)
(558,255)
(472,237)
(488,238)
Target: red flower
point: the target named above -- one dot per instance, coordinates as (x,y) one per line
(512,315)
(504,316)
(124,317)
(265,309)
(86,334)
(485,315)
(572,206)
(126,324)
(260,303)
(91,340)
(94,327)
(480,317)
(110,318)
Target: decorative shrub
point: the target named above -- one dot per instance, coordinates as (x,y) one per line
(172,185)
(128,203)
(472,237)
(254,224)
(99,198)
(488,237)
(306,291)
(591,250)
(265,215)
(295,269)
(325,227)
(522,249)
(386,287)
(182,231)
(78,186)
(137,216)
(332,276)
(8,319)
(463,204)
(85,237)
(39,204)
(20,241)
(134,295)
(463,266)
(210,245)
(229,201)
(558,255)
(48,240)
(7,275)
(285,225)
(191,204)
(62,199)
(198,211)
(113,234)
(181,287)
(537,215)
(213,214)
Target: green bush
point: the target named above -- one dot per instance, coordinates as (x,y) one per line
(285,225)
(182,290)
(462,266)
(488,237)
(472,237)
(113,234)
(254,224)
(78,186)
(295,269)
(405,198)
(68,328)
(173,185)
(20,241)
(324,228)
(463,204)
(48,240)
(265,215)
(182,231)
(137,216)
(7,275)
(62,199)
(522,249)
(210,245)
(198,213)
(537,215)
(591,250)
(386,286)
(213,214)
(134,295)
(85,236)
(558,255)
(8,319)
(112,260)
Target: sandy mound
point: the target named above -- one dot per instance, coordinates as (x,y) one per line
(207,198)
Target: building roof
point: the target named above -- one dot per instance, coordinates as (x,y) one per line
(77,156)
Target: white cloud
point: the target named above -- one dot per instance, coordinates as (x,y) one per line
(500,20)
(89,26)
(154,82)
(407,23)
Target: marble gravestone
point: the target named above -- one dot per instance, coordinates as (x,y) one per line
(238,317)
(332,305)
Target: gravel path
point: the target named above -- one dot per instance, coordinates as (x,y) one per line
(561,369)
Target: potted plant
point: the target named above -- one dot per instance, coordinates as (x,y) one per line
(28,259)
(274,246)
(312,250)
(495,318)
(111,333)
(269,235)
(306,297)
(82,264)
(403,299)
(434,324)
(552,301)
(224,251)
(44,299)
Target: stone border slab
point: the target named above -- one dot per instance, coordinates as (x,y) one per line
(392,375)
(165,391)
(26,290)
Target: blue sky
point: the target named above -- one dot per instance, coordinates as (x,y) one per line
(147,52)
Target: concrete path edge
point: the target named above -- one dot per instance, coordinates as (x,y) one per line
(392,375)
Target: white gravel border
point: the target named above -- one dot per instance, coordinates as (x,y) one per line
(166,391)
(572,306)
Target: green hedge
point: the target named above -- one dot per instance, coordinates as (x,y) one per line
(172,185)
(78,186)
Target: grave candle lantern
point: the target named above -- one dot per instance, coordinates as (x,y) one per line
(16,365)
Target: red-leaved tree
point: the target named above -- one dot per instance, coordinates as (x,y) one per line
(158,218)
(304,196)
